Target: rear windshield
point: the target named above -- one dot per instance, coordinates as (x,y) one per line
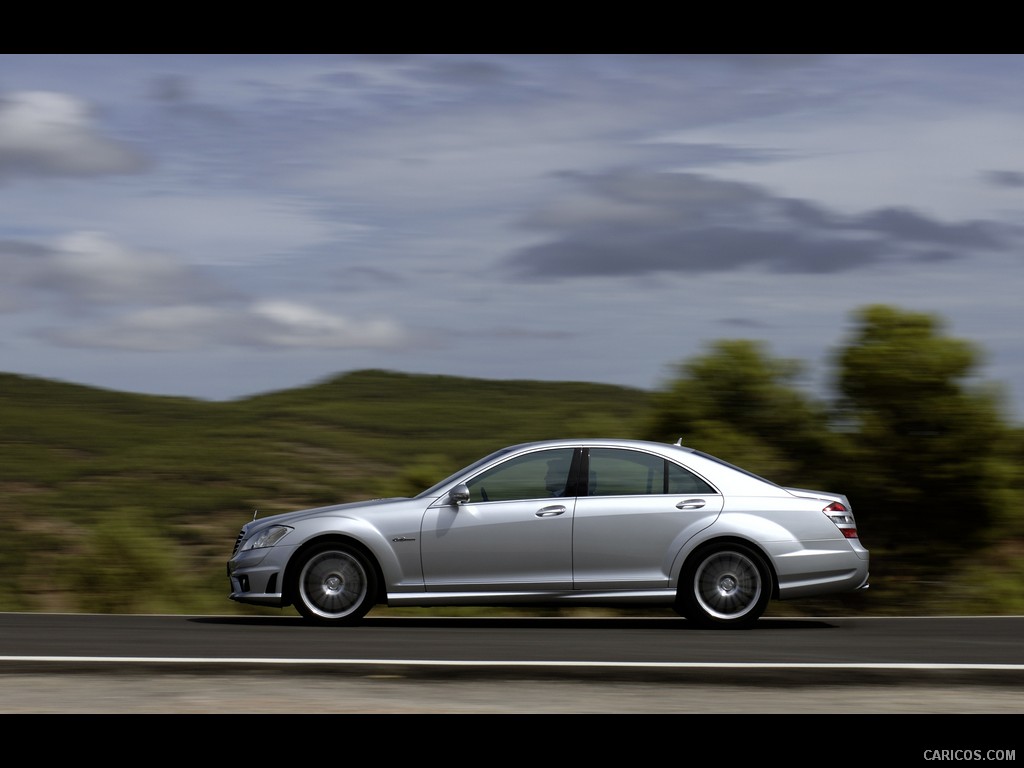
(725,463)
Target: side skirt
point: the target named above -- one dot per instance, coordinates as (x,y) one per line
(534,597)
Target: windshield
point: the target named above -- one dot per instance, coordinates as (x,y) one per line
(434,489)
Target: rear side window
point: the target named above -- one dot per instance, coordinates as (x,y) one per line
(682,480)
(619,472)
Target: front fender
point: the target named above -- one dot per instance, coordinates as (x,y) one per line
(396,554)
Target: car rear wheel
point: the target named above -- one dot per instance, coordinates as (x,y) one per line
(726,586)
(334,584)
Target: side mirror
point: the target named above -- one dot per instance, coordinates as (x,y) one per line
(459,494)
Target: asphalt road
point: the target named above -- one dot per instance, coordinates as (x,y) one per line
(104,664)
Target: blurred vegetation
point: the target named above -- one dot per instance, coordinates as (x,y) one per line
(116,502)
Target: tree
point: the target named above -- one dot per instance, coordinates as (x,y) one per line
(739,403)
(925,441)
(915,439)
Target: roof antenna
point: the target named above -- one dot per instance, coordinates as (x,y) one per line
(679,442)
(254,513)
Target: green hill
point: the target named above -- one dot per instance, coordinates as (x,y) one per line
(122,502)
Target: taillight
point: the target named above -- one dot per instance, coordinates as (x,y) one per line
(841,516)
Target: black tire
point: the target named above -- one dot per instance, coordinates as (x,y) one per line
(724,586)
(334,584)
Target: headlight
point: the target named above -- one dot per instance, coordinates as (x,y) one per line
(267,538)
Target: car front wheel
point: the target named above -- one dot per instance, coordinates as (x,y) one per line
(334,584)
(726,586)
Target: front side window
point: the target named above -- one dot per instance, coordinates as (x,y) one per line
(537,475)
(618,472)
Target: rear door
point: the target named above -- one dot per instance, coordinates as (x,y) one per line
(638,511)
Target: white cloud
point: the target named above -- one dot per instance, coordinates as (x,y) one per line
(269,324)
(91,271)
(289,324)
(91,265)
(46,133)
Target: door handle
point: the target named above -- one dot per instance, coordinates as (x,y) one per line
(551,511)
(691,504)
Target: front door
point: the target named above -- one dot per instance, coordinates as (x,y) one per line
(514,533)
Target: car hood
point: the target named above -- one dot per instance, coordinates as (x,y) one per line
(286,518)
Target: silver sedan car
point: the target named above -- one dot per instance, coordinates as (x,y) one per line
(562,523)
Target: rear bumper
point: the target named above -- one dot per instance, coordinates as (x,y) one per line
(829,568)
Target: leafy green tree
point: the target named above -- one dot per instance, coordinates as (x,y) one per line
(915,440)
(925,438)
(743,405)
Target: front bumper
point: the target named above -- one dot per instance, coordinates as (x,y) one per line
(257,576)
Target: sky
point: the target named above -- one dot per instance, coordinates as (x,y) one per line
(216,226)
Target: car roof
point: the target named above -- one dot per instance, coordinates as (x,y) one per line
(711,467)
(598,441)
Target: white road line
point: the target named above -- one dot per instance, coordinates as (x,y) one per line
(462,663)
